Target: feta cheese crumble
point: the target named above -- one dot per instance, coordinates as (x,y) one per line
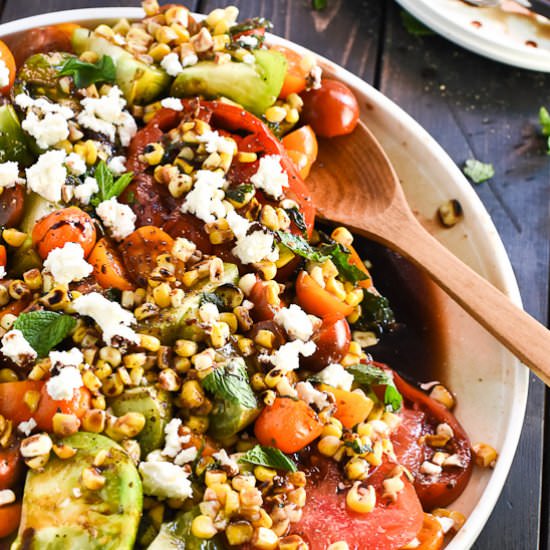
(4,74)
(171,64)
(312,396)
(205,199)
(214,143)
(173,440)
(61,387)
(295,321)
(71,358)
(270,176)
(67,264)
(83,192)
(47,176)
(75,164)
(16,347)
(165,480)
(118,218)
(255,247)
(287,357)
(9,174)
(173,103)
(335,375)
(111,317)
(27,426)
(117,165)
(248,41)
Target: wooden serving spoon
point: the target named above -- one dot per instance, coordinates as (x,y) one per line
(355,185)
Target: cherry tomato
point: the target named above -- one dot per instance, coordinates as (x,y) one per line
(431,535)
(352,408)
(326,518)
(7,58)
(332,340)
(331,110)
(10,516)
(262,310)
(109,270)
(318,301)
(68,225)
(11,467)
(301,146)
(67,29)
(295,78)
(3,256)
(12,203)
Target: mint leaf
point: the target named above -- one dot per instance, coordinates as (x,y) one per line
(108,186)
(297,217)
(43,330)
(368,376)
(544,120)
(340,258)
(376,314)
(231,383)
(238,194)
(414,26)
(212,298)
(478,171)
(85,73)
(300,246)
(270,457)
(318,4)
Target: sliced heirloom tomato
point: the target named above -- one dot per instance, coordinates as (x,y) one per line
(302,148)
(10,516)
(14,408)
(109,271)
(326,518)
(316,300)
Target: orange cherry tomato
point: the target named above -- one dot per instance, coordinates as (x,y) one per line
(288,424)
(7,58)
(140,250)
(3,256)
(355,260)
(10,516)
(351,408)
(295,78)
(11,467)
(67,29)
(431,534)
(331,110)
(68,225)
(301,146)
(109,271)
(318,301)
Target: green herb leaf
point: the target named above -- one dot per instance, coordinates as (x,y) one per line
(231,383)
(250,25)
(376,314)
(358,447)
(478,171)
(84,73)
(368,376)
(298,218)
(212,298)
(340,257)
(414,26)
(544,119)
(108,186)
(269,457)
(239,193)
(43,330)
(300,246)
(318,4)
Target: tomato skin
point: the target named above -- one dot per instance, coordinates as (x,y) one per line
(3,256)
(430,536)
(331,110)
(11,467)
(10,516)
(332,341)
(302,148)
(12,203)
(109,270)
(316,300)
(262,310)
(295,78)
(68,225)
(7,57)
(288,424)
(326,518)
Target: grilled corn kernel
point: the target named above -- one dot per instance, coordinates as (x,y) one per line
(293,542)
(246,157)
(356,468)
(89,57)
(328,445)
(186,348)
(161,295)
(113,385)
(265,539)
(92,479)
(264,338)
(7,321)
(91,381)
(104,30)
(360,499)
(177,14)
(93,420)
(264,474)
(239,532)
(98,402)
(266,269)
(111,355)
(192,394)
(102,369)
(292,116)
(31,398)
(190,277)
(275,114)
(33,279)
(203,527)
(245,345)
(215,477)
(450,213)
(39,370)
(485,455)
(343,236)
(134,360)
(146,310)
(457,517)
(4,296)
(13,237)
(268,217)
(18,289)
(56,299)
(198,424)
(148,342)
(65,424)
(442,395)
(63,451)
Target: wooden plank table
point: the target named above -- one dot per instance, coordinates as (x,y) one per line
(475,108)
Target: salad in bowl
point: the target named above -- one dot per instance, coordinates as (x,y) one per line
(186,355)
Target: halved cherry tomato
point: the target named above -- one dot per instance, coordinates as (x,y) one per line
(14,408)
(431,534)
(351,408)
(301,146)
(318,301)
(331,110)
(109,270)
(3,256)
(68,29)
(11,467)
(10,516)
(140,250)
(332,341)
(12,206)
(288,424)
(295,78)
(7,58)
(262,310)
(68,225)
(355,260)
(326,518)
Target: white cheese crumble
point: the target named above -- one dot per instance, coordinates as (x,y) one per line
(226,462)
(2,272)
(287,357)
(173,103)
(27,427)
(214,143)
(186,455)
(248,41)
(208,313)
(295,321)
(71,358)
(67,264)
(306,392)
(9,174)
(247,282)
(117,165)
(118,218)
(238,224)
(7,496)
(61,387)
(205,199)
(47,176)
(189,60)
(48,130)
(249,59)
(165,480)
(171,64)
(270,176)
(430,469)
(315,77)
(75,164)
(335,375)
(173,441)
(446,523)
(255,247)
(4,74)
(16,347)
(83,192)
(111,317)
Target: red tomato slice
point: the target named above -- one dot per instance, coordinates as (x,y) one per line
(327,520)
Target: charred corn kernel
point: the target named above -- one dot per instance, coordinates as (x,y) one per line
(264,474)
(328,445)
(354,297)
(332,430)
(124,376)
(98,402)
(79,334)
(134,360)
(129,425)
(356,468)
(265,538)
(37,462)
(136,376)
(39,370)
(102,369)
(246,157)
(257,382)
(436,440)
(110,355)
(239,532)
(87,150)
(6,431)
(148,342)
(18,289)
(4,296)
(190,278)
(275,114)
(297,497)
(122,26)
(145,311)
(89,56)
(161,295)
(165,35)
(292,116)
(268,217)
(92,479)
(8,375)
(375,457)
(361,499)
(269,397)
(150,7)
(31,398)
(335,287)
(93,420)
(355,316)
(186,348)
(91,381)
(219,334)
(245,345)
(458,518)
(13,237)
(192,394)
(329,270)
(264,520)
(56,299)
(65,424)
(264,338)
(283,218)
(63,451)
(273,377)
(343,236)
(485,455)
(33,279)
(230,320)
(177,14)
(169,380)
(153,154)
(203,527)
(293,542)
(214,477)
(7,321)
(442,395)
(113,385)
(266,269)
(105,31)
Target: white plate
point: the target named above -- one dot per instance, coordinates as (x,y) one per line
(519,39)
(490,384)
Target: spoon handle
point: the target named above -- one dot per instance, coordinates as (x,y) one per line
(524,336)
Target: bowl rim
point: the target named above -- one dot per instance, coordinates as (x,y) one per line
(502,267)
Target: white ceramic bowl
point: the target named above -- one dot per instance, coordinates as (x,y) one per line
(490,384)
